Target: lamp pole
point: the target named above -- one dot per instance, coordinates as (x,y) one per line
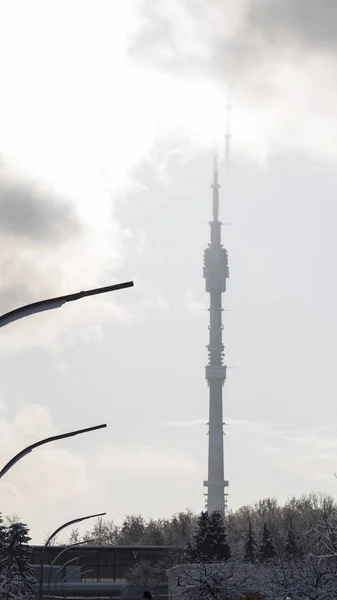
(51,537)
(57,302)
(53,438)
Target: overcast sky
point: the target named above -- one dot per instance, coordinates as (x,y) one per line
(109,112)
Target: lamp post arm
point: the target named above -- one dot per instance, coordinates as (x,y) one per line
(72,522)
(53,438)
(57,302)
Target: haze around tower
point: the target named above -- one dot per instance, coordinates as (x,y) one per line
(270,55)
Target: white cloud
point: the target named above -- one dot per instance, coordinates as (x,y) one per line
(3,405)
(186,423)
(194,306)
(148,301)
(266,63)
(302,452)
(42,482)
(145,461)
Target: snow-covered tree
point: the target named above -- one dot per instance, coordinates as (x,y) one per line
(132,530)
(103,533)
(135,530)
(17,579)
(266,550)
(209,543)
(221,549)
(206,581)
(178,530)
(250,546)
(309,578)
(153,534)
(292,549)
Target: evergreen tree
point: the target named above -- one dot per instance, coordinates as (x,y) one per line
(221,549)
(17,579)
(267,550)
(210,541)
(292,550)
(198,545)
(250,545)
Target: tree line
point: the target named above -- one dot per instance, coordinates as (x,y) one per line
(266,551)
(286,526)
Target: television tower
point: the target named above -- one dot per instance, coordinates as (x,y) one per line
(216,273)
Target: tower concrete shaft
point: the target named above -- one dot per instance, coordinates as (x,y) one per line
(216,274)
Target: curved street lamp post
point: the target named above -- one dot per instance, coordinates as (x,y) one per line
(51,537)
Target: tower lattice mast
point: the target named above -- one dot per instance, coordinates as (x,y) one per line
(216,274)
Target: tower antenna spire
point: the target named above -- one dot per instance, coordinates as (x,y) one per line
(215,185)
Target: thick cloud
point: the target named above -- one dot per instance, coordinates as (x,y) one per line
(34,224)
(31,213)
(229,40)
(312,24)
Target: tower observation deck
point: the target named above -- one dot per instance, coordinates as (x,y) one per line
(216,273)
